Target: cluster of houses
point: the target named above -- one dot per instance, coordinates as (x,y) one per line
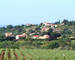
(17,37)
(46,26)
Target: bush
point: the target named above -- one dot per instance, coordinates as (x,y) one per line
(8,44)
(73,46)
(29,44)
(50,45)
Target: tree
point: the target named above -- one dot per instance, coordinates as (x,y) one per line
(65,40)
(17,26)
(65,21)
(72,23)
(9,26)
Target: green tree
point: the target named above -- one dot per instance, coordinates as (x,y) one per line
(9,27)
(72,23)
(65,21)
(65,41)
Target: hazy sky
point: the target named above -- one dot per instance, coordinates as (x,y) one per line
(35,11)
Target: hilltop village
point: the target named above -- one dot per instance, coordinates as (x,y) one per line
(43,35)
(45,30)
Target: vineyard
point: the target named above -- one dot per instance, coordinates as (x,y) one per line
(36,54)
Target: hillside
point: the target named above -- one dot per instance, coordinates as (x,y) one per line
(45,35)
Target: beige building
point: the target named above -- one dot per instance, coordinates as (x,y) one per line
(8,34)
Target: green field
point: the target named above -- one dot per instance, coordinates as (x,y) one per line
(36,54)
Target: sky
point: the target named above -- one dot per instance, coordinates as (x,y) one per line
(16,12)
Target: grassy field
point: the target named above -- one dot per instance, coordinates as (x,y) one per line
(36,54)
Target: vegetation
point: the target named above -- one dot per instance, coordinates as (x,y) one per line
(65,40)
(60,36)
(36,54)
(59,46)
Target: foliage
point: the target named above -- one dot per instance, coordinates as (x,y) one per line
(69,23)
(9,44)
(50,45)
(9,26)
(65,21)
(65,39)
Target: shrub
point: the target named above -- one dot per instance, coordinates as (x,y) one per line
(50,45)
(73,46)
(8,44)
